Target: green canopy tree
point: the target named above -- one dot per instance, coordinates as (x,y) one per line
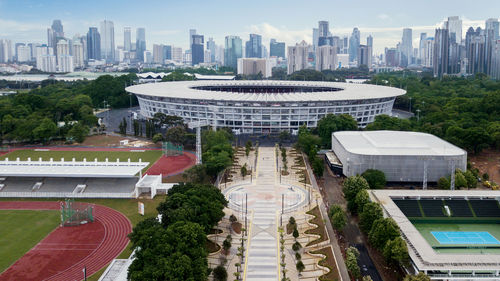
(352,185)
(371,212)
(375,178)
(395,251)
(383,230)
(333,123)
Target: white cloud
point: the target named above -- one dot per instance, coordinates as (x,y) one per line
(284,34)
(383,16)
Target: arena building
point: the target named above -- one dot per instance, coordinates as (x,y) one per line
(402,156)
(451,234)
(264,107)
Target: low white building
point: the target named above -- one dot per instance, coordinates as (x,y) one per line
(402,156)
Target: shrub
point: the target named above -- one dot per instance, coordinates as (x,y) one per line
(375,178)
(297,256)
(443,183)
(296,246)
(220,273)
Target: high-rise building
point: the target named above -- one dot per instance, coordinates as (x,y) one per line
(197,50)
(158,54)
(354,42)
(276,49)
(45,59)
(421,47)
(406,47)
(177,54)
(140,43)
(211,47)
(254,66)
(23,53)
(493,24)
(233,51)
(93,44)
(127,39)
(297,57)
(495,68)
(326,58)
(191,33)
(54,33)
(476,51)
(369,44)
(167,52)
(323,29)
(315,38)
(441,52)
(107,41)
(364,56)
(253,47)
(391,57)
(64,59)
(344,45)
(78,59)
(428,57)
(454,26)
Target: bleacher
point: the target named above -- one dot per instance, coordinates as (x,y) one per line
(409,207)
(459,208)
(432,207)
(485,207)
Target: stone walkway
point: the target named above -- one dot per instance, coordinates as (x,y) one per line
(262,253)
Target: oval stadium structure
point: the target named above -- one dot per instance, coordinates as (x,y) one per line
(264,107)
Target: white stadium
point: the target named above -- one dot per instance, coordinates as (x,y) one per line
(264,107)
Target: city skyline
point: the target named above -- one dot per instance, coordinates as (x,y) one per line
(27,21)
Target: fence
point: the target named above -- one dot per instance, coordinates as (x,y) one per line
(65,195)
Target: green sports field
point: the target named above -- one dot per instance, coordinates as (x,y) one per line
(21,230)
(146,156)
(426,228)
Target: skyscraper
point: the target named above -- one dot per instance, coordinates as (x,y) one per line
(493,24)
(297,57)
(323,29)
(454,26)
(369,45)
(326,58)
(54,33)
(428,52)
(364,56)
(253,47)
(233,51)
(127,39)
(93,44)
(211,47)
(78,59)
(140,43)
(421,47)
(107,40)
(276,49)
(441,51)
(354,42)
(191,33)
(315,38)
(197,51)
(406,47)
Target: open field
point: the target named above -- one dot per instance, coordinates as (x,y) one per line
(426,228)
(21,230)
(146,156)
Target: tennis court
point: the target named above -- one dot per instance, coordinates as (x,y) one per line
(465,237)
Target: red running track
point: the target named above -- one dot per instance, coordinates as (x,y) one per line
(172,165)
(63,254)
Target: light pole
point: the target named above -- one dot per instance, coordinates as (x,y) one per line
(418,115)
(409,108)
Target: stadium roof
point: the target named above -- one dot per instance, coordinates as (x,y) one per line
(71,169)
(343,91)
(396,143)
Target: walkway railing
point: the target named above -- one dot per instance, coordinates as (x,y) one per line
(66,195)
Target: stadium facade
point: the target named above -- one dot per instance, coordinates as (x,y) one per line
(402,156)
(264,107)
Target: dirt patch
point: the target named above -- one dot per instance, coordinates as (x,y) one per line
(103,140)
(487,161)
(174,179)
(329,262)
(237,226)
(320,230)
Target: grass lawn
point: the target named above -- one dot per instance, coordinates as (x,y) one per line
(329,262)
(21,230)
(426,228)
(128,207)
(147,156)
(320,230)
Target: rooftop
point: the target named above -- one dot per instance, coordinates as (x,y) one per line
(265,91)
(396,143)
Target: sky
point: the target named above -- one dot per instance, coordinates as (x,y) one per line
(291,21)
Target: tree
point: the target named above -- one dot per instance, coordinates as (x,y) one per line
(300,266)
(460,181)
(395,251)
(352,185)
(470,178)
(295,233)
(220,273)
(351,262)
(157,138)
(333,123)
(361,199)
(375,178)
(176,134)
(226,245)
(383,230)
(443,183)
(335,208)
(284,136)
(318,166)
(296,246)
(370,213)
(196,174)
(244,170)
(78,132)
(45,130)
(419,277)
(339,220)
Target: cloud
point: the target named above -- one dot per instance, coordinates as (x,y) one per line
(284,34)
(383,16)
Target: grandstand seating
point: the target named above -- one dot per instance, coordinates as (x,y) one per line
(485,207)
(459,208)
(409,207)
(432,207)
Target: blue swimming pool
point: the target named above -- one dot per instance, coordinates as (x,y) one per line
(465,237)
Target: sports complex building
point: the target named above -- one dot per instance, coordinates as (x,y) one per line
(264,107)
(451,234)
(402,156)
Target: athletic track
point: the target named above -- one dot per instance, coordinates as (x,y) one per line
(63,254)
